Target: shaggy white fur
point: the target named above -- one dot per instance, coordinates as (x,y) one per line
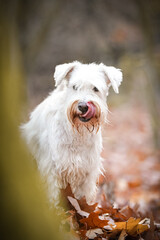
(65,139)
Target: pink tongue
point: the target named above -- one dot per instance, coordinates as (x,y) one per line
(90,112)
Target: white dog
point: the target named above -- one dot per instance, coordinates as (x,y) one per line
(64,131)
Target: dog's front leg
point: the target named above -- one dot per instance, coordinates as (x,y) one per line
(88,188)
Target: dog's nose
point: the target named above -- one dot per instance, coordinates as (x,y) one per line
(82,106)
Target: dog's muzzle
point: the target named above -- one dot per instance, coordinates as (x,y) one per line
(84,115)
(87,111)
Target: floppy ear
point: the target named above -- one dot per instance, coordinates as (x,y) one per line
(62,71)
(114,76)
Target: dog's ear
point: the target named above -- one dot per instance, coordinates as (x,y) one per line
(114,76)
(62,71)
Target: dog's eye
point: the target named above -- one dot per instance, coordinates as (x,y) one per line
(74,87)
(95,89)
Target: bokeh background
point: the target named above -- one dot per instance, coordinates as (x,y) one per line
(38,35)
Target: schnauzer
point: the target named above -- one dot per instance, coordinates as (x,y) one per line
(64,131)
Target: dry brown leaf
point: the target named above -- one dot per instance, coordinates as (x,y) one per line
(142,228)
(132,226)
(113,212)
(82,234)
(75,204)
(93,221)
(85,207)
(67,192)
(92,233)
(128,212)
(123,235)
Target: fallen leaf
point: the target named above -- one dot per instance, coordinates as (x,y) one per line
(150,234)
(67,192)
(128,212)
(75,204)
(145,221)
(123,235)
(85,207)
(92,233)
(132,226)
(142,228)
(93,221)
(111,222)
(113,212)
(82,234)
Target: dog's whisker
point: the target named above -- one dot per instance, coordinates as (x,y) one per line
(97,129)
(93,127)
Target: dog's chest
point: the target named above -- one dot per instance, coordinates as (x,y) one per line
(79,152)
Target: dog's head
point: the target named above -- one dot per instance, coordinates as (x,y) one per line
(86,87)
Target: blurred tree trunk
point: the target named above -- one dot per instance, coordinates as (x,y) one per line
(33,49)
(24,214)
(150,67)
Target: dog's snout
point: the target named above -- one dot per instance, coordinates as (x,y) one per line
(82,106)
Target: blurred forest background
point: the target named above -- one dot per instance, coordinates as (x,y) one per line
(38,35)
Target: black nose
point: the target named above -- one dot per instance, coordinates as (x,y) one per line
(82,106)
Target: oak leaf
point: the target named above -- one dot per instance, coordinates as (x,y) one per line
(93,221)
(132,226)
(85,207)
(113,213)
(75,204)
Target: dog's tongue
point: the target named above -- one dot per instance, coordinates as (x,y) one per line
(90,112)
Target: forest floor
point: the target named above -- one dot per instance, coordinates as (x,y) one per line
(129,191)
(131,162)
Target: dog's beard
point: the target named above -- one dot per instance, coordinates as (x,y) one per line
(79,123)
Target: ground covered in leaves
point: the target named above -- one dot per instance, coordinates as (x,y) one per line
(128,204)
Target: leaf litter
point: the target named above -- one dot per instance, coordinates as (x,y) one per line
(104,223)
